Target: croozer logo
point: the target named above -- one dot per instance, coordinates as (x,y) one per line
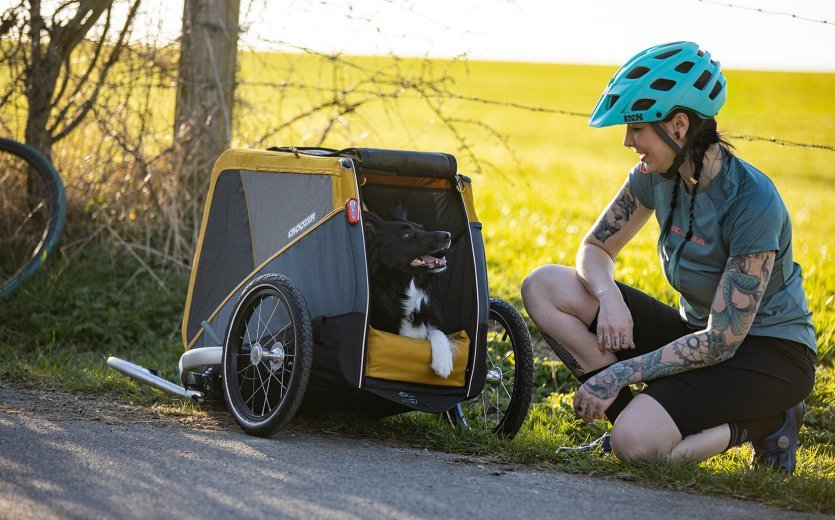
(633,118)
(295,230)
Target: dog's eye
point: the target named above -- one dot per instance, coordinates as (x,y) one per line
(408,234)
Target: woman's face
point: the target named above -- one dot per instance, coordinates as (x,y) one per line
(656,155)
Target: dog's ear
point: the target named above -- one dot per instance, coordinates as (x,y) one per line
(398,211)
(370,221)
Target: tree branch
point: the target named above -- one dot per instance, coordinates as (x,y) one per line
(113,58)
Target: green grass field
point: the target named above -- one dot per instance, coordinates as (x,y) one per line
(545,177)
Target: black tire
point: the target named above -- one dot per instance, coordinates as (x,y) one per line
(32,210)
(502,405)
(267,355)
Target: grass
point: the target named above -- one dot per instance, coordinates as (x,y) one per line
(94,300)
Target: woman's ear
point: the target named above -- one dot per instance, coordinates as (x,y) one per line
(680,124)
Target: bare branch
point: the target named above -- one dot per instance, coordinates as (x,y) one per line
(114,56)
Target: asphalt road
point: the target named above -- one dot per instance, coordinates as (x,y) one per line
(52,466)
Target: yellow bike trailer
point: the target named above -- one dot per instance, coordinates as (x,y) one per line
(276,316)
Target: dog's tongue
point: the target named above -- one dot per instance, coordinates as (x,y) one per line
(429,261)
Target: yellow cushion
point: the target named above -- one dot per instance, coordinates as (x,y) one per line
(398,358)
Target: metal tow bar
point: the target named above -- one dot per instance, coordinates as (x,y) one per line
(143,374)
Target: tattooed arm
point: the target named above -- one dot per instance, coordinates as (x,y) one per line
(733,310)
(615,227)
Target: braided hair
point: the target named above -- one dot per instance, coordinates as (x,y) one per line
(704,134)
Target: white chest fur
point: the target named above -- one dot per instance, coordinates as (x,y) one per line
(415,298)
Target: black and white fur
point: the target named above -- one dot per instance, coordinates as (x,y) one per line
(403,258)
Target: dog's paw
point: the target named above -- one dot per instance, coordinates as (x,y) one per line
(442,354)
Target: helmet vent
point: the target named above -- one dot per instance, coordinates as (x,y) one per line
(665,55)
(663,84)
(610,101)
(684,67)
(702,81)
(700,53)
(717,88)
(642,104)
(637,72)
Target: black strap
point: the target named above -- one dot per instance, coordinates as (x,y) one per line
(387,162)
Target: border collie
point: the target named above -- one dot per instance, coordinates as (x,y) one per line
(402,259)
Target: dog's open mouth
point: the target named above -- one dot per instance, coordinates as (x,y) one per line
(434,262)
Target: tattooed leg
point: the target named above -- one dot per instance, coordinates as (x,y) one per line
(565,356)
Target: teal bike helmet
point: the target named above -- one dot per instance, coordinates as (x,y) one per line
(658,80)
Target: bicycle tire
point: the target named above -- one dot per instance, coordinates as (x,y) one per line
(32,212)
(502,405)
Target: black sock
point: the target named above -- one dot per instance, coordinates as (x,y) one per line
(620,402)
(754,429)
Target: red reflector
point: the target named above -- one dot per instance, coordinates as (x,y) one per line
(352,210)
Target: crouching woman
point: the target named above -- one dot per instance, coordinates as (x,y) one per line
(734,362)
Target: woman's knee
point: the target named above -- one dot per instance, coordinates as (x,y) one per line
(644,431)
(631,445)
(545,283)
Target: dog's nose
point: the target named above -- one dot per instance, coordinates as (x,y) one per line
(445,235)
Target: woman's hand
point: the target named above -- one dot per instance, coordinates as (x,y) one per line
(614,325)
(596,395)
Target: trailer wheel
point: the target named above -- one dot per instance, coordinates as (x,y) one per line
(502,405)
(267,355)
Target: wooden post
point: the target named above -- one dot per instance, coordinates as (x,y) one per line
(206,84)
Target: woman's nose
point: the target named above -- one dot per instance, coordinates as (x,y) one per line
(627,139)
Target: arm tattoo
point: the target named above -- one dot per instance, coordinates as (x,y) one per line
(745,277)
(565,356)
(608,383)
(741,277)
(618,213)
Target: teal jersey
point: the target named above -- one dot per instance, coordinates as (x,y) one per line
(739,213)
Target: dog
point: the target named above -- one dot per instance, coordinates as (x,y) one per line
(403,259)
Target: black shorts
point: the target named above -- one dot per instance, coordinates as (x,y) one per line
(765,377)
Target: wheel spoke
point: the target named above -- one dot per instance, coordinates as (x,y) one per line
(281,332)
(265,403)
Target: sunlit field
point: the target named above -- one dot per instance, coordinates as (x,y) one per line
(539,193)
(541,176)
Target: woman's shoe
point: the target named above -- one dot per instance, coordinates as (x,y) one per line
(779,450)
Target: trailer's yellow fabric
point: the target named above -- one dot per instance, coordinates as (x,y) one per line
(344,184)
(398,358)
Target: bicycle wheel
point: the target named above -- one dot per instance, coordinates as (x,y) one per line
(267,355)
(503,404)
(32,209)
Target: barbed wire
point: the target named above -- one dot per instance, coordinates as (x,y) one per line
(400,94)
(765,11)
(783,142)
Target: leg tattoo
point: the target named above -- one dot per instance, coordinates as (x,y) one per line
(565,356)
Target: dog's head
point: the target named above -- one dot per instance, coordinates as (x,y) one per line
(402,245)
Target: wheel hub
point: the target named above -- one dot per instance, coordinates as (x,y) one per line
(494,376)
(274,356)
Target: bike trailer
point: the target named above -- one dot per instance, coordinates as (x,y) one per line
(278,300)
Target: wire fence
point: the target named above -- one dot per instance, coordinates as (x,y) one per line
(766,11)
(511,104)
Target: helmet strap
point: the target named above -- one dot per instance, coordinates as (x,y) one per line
(666,137)
(681,153)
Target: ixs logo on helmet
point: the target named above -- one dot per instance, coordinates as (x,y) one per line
(633,118)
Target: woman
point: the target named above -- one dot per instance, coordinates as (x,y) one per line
(736,360)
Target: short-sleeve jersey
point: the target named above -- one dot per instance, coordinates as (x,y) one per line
(739,213)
